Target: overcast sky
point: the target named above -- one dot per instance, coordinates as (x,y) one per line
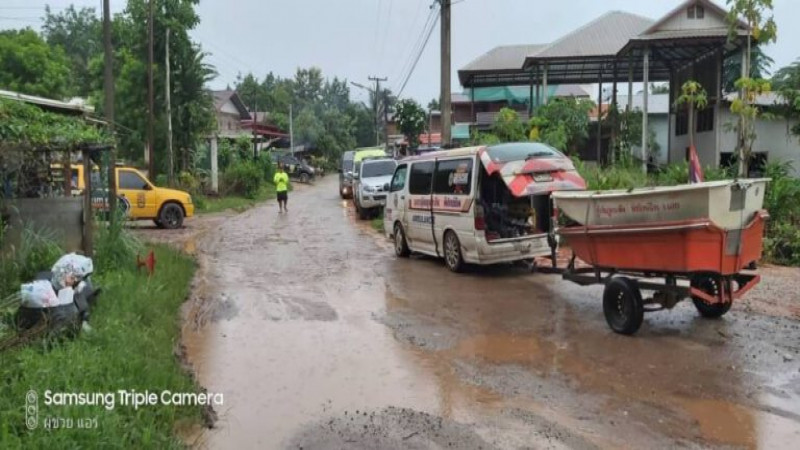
(355,39)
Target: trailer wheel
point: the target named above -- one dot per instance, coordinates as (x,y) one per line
(623,305)
(710,285)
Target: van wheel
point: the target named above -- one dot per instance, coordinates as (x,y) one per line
(304,177)
(171,216)
(400,244)
(452,252)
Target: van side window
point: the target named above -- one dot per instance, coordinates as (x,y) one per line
(399,179)
(453,177)
(421,177)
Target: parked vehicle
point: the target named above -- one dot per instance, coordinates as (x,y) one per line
(346,174)
(480,205)
(297,168)
(367,152)
(141,198)
(371,180)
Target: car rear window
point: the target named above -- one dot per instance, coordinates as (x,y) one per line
(378,168)
(520,151)
(347,165)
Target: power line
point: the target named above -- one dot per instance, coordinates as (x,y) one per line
(419,55)
(385,33)
(405,69)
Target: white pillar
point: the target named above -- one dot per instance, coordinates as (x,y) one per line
(544,85)
(645,107)
(214,166)
(630,84)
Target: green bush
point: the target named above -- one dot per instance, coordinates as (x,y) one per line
(188,182)
(243,178)
(264,163)
(782,243)
(114,247)
(38,251)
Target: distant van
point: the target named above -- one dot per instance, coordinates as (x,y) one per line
(478,205)
(346,174)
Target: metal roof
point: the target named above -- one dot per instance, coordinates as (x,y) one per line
(506,59)
(604,36)
(75,106)
(610,47)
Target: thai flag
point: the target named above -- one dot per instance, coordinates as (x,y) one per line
(695,170)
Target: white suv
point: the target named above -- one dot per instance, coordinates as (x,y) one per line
(369,192)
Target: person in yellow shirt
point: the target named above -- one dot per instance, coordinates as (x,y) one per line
(281,181)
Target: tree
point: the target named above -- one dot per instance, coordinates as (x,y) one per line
(760,64)
(787,82)
(508,127)
(434,105)
(662,88)
(562,123)
(78,34)
(629,136)
(694,97)
(30,66)
(192,107)
(760,25)
(410,118)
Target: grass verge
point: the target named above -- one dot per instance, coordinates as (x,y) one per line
(218,204)
(136,329)
(377,223)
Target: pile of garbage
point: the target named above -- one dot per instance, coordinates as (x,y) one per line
(59,301)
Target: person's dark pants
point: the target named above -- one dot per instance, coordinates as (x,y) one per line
(283,197)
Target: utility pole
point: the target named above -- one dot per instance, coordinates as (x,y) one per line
(445,101)
(171,155)
(151,171)
(108,91)
(386,118)
(255,118)
(377,81)
(291,129)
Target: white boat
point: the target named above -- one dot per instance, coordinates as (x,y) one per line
(729,204)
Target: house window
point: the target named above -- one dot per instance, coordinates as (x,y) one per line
(695,12)
(705,120)
(681,124)
(758,162)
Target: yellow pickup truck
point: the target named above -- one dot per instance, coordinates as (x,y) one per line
(143,200)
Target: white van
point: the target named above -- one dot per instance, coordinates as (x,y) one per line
(479,205)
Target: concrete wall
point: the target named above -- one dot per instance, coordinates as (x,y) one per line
(705,143)
(63,217)
(658,123)
(773,137)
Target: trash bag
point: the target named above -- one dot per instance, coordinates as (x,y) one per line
(71,269)
(61,320)
(39,294)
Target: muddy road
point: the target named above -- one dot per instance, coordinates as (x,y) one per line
(320,338)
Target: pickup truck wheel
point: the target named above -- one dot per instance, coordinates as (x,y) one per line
(304,177)
(452,252)
(158,223)
(363,214)
(171,216)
